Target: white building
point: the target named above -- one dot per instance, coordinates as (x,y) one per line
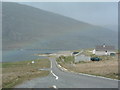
(104,50)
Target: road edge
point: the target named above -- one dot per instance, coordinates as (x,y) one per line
(66,70)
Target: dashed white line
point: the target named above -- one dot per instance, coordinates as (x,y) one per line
(54,75)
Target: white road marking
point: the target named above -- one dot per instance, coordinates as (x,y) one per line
(51,64)
(59,65)
(65,69)
(54,86)
(54,75)
(62,68)
(97,76)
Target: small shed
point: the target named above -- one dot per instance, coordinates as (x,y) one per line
(82,57)
(79,56)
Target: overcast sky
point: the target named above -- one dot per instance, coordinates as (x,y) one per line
(97,13)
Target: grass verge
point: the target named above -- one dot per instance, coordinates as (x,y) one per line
(106,67)
(14,73)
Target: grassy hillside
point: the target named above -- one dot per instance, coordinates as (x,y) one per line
(28,26)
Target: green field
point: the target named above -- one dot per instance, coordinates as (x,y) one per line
(0,65)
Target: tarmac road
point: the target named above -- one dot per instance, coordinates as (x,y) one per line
(60,79)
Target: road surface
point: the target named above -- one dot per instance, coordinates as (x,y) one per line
(60,79)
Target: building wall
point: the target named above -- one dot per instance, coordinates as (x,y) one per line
(82,58)
(103,52)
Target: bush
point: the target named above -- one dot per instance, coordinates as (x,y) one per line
(66,59)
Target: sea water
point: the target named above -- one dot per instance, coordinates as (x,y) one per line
(22,55)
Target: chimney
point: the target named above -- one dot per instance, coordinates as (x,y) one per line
(103,45)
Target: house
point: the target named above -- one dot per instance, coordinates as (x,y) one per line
(104,50)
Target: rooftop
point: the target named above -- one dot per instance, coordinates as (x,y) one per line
(105,48)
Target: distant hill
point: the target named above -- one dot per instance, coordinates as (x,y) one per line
(28,27)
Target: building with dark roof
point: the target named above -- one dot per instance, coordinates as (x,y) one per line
(104,50)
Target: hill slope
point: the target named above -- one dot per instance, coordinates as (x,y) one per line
(29,27)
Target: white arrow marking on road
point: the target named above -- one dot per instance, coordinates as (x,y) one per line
(54,75)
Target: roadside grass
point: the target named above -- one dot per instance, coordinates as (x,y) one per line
(0,65)
(87,52)
(107,67)
(66,59)
(14,73)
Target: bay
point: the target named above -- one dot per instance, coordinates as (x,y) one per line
(22,55)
